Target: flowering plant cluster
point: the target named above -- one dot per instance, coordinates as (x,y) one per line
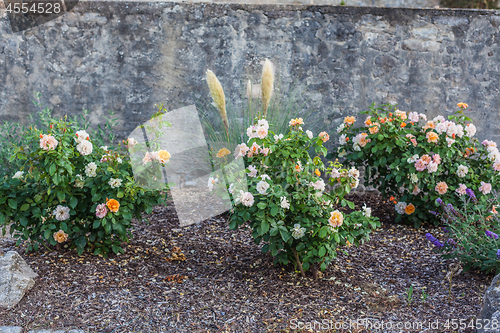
(415,160)
(284,197)
(70,190)
(471,230)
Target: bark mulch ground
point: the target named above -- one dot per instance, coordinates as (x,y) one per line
(207,278)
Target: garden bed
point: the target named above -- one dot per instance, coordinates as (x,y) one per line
(230,286)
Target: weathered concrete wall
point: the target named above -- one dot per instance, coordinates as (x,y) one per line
(127,57)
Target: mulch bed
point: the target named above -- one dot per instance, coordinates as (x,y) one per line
(207,278)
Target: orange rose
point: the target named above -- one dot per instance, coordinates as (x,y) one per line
(469,151)
(403,124)
(349,120)
(113,205)
(317,172)
(462,105)
(368,122)
(410,209)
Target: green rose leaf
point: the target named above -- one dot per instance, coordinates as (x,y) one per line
(73,202)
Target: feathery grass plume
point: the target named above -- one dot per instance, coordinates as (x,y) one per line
(218,96)
(267,84)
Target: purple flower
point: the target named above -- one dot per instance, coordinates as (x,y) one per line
(445,230)
(491,234)
(451,242)
(433,240)
(471,194)
(433,213)
(498,254)
(439,201)
(451,209)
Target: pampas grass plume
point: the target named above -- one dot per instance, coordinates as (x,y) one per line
(217,94)
(267,84)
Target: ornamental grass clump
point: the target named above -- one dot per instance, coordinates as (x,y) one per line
(472,228)
(225,122)
(71,191)
(415,160)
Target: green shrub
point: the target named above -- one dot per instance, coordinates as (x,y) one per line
(71,190)
(472,230)
(416,161)
(12,133)
(284,199)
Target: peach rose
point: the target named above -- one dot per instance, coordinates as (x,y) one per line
(324,136)
(60,236)
(336,219)
(223,152)
(349,120)
(441,188)
(432,137)
(374,128)
(164,156)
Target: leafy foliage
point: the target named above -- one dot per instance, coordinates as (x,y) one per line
(285,201)
(416,160)
(69,189)
(12,133)
(472,231)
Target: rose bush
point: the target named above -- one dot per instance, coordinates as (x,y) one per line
(414,160)
(70,190)
(284,198)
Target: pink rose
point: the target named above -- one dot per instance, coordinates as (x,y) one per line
(101,210)
(461,189)
(420,165)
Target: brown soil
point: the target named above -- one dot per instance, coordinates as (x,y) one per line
(207,278)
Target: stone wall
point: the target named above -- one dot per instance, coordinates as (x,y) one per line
(371,3)
(127,57)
